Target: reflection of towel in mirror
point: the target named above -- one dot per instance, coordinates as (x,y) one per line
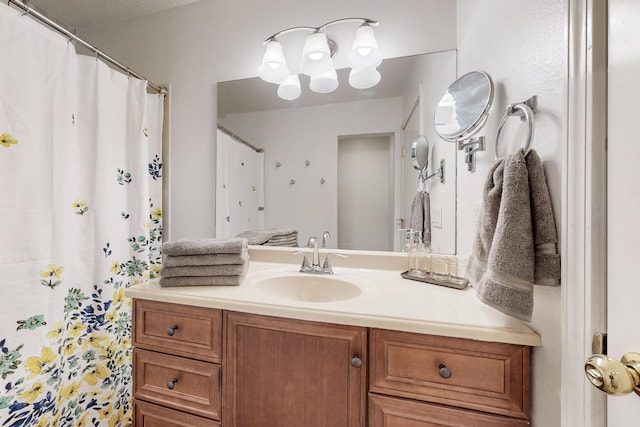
(271,237)
(421,215)
(515,244)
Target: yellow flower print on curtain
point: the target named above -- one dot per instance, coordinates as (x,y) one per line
(80,207)
(6,141)
(41,365)
(51,276)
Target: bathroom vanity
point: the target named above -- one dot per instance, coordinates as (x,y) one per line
(396,354)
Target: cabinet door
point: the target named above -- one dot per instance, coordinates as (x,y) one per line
(292,373)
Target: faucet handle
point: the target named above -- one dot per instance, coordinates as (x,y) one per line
(305,261)
(326,267)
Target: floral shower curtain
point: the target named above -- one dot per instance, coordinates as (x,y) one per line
(239,187)
(80,220)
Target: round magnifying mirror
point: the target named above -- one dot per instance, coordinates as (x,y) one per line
(464,107)
(420,153)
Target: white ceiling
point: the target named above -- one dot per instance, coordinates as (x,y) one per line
(78,15)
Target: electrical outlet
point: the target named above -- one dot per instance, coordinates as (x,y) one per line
(436,217)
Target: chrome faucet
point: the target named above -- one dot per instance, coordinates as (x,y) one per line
(313,244)
(315,267)
(325,238)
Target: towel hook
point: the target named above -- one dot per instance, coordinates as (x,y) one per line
(525,110)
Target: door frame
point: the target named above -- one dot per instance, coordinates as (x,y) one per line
(584,209)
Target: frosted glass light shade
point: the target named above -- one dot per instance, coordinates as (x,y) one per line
(324,83)
(316,56)
(364,78)
(364,52)
(290,88)
(274,66)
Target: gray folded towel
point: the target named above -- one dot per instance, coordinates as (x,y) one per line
(204,270)
(547,272)
(421,215)
(166,282)
(516,232)
(204,246)
(211,259)
(258,237)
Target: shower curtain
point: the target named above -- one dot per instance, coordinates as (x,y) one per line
(239,187)
(80,221)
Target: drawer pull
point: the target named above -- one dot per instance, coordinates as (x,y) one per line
(356,362)
(445,372)
(171,330)
(171,384)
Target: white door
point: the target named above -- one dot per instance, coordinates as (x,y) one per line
(623,209)
(365,201)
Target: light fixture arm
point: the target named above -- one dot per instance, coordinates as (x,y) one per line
(363,21)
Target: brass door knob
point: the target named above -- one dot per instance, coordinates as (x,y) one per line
(613,376)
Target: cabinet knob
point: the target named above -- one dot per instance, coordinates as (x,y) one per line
(444,372)
(171,384)
(356,362)
(171,330)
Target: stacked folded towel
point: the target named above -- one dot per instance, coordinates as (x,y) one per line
(198,262)
(271,237)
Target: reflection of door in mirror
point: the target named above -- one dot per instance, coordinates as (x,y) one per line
(365,192)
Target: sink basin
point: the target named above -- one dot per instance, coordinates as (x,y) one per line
(308,288)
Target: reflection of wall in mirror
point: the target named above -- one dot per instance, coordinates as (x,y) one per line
(293,136)
(429,85)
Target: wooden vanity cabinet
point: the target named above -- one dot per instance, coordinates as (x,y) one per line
(177,365)
(198,367)
(282,372)
(449,381)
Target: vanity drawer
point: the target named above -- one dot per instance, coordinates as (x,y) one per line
(485,376)
(149,415)
(393,412)
(195,388)
(178,329)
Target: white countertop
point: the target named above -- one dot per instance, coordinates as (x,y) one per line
(386,301)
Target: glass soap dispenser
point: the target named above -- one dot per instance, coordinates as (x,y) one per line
(417,255)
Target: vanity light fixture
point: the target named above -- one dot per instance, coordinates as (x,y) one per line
(317,60)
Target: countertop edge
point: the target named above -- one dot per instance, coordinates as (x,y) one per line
(522,336)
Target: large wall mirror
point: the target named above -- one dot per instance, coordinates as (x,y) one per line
(341,162)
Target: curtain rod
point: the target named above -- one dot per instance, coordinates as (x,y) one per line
(30,11)
(240,140)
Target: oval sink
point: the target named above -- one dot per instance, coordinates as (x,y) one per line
(309,288)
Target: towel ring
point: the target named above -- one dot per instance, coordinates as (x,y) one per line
(525,110)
